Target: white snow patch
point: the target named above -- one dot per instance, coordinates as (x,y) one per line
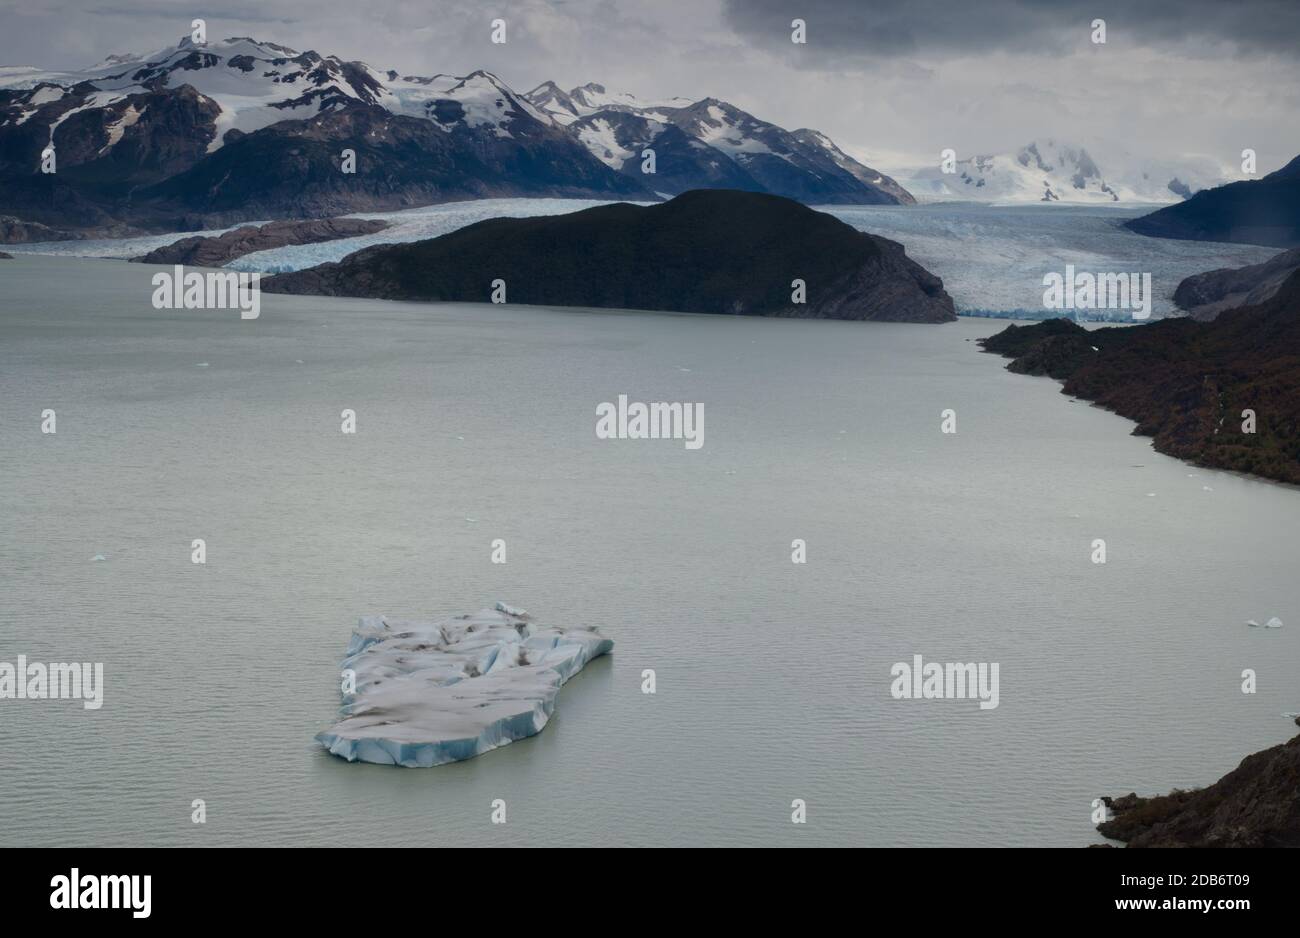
(118,127)
(599,137)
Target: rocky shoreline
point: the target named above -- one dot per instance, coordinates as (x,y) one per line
(1255,805)
(219,250)
(1221,394)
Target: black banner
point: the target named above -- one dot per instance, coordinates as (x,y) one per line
(138,887)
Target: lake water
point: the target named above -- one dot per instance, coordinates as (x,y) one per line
(477,422)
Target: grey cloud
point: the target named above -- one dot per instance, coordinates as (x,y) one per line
(865,28)
(892,80)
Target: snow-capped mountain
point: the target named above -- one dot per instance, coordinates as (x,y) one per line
(197,135)
(566,107)
(711,144)
(238,128)
(1049,170)
(255,84)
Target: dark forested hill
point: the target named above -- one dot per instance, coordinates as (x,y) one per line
(706,251)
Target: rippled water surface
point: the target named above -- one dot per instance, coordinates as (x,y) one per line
(477,422)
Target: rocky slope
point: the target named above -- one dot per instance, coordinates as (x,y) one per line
(205,136)
(1184,382)
(1204,296)
(221,249)
(209,135)
(707,251)
(713,144)
(16,231)
(1258,211)
(1255,805)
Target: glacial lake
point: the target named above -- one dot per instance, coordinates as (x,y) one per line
(773,678)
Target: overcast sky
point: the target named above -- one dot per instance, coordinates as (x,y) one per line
(892,81)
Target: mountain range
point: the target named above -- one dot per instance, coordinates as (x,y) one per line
(713,144)
(210,135)
(1051,170)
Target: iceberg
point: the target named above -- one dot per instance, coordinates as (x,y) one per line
(421,694)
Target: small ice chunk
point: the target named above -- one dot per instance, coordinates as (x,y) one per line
(99,557)
(1252,623)
(512,611)
(1273,623)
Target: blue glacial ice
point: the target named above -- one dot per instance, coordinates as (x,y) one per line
(426,693)
(992,258)
(412,224)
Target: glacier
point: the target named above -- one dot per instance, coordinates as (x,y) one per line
(991,257)
(420,694)
(406,225)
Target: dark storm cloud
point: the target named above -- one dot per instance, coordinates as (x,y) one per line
(917,27)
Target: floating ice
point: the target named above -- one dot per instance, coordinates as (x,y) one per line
(1252,623)
(1273,623)
(426,693)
